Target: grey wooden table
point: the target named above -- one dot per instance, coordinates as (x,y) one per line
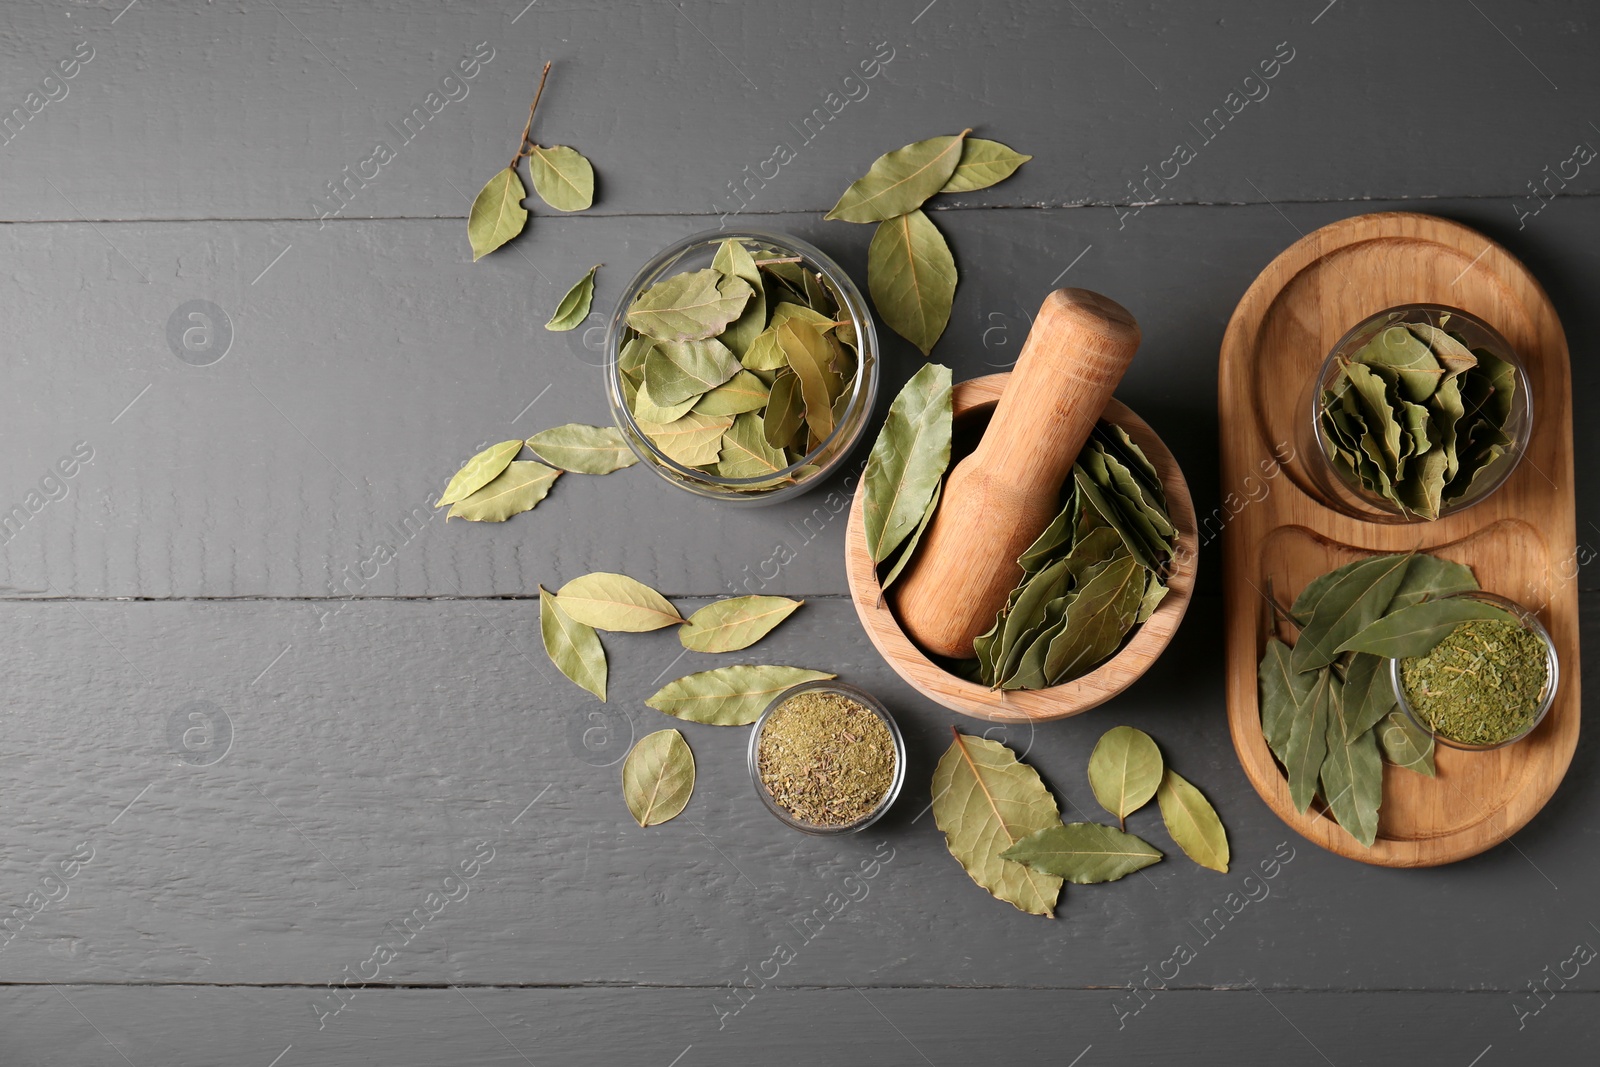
(260,701)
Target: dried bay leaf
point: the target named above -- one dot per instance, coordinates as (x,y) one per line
(765,353)
(1348,606)
(630,361)
(1084,853)
(658,777)
(692,440)
(1428,577)
(479,471)
(909,549)
(1352,780)
(985,801)
(516,489)
(785,412)
(573,647)
(609,601)
(562,177)
(574,307)
(1308,736)
(1367,695)
(676,371)
(583,449)
(689,306)
(912,277)
(739,394)
(983,163)
(1101,614)
(1282,691)
(1124,771)
(1192,822)
(745,452)
(729,696)
(907,460)
(1415,630)
(733,260)
(899,181)
(645,408)
(1405,744)
(808,355)
(735,623)
(497,214)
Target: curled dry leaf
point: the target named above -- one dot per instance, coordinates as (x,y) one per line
(1084,852)
(900,181)
(562,177)
(907,460)
(1193,822)
(583,449)
(609,601)
(729,696)
(517,489)
(912,277)
(574,307)
(479,471)
(658,777)
(735,623)
(985,801)
(497,213)
(1124,771)
(573,647)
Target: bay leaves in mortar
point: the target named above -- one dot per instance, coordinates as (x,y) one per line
(1192,822)
(1084,852)
(573,647)
(1102,613)
(739,394)
(658,777)
(1349,606)
(735,623)
(1404,743)
(910,547)
(1415,630)
(1282,691)
(689,306)
(479,471)
(899,181)
(609,601)
(675,371)
(733,260)
(983,163)
(912,277)
(908,460)
(497,214)
(692,440)
(516,489)
(729,696)
(1308,736)
(809,355)
(1124,771)
(985,800)
(745,452)
(583,449)
(562,177)
(574,307)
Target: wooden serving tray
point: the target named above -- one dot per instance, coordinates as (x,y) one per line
(1278,535)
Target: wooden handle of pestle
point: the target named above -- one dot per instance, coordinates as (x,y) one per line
(999,499)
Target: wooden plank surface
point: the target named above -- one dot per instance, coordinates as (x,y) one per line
(202,558)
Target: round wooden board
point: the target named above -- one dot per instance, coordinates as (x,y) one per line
(1057,702)
(1277,535)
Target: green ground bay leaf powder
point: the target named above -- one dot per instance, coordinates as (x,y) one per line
(1481,685)
(826,759)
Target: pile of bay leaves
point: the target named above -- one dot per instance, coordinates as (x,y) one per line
(741,369)
(1417,418)
(1328,706)
(1096,572)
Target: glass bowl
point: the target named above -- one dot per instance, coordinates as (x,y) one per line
(861,697)
(1552,677)
(696,253)
(1338,485)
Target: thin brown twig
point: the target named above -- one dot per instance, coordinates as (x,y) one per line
(522,145)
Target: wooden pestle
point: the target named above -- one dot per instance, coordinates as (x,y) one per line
(999,499)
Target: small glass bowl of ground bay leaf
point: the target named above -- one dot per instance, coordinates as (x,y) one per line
(827,758)
(1489,683)
(742,366)
(1420,411)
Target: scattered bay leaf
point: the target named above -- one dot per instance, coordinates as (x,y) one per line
(1192,822)
(480,470)
(658,777)
(1083,852)
(516,489)
(983,163)
(609,601)
(573,647)
(899,181)
(574,307)
(735,623)
(729,696)
(912,277)
(1124,771)
(583,449)
(562,177)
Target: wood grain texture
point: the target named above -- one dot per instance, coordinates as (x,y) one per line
(1060,701)
(1520,541)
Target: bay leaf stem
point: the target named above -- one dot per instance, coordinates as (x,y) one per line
(523,146)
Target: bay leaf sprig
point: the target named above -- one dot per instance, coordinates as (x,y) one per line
(561,176)
(910,271)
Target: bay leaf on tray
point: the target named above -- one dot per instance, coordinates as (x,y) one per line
(516,489)
(900,181)
(729,696)
(1083,852)
(1415,630)
(562,177)
(574,648)
(574,306)
(497,214)
(689,306)
(658,777)
(985,801)
(983,163)
(912,278)
(907,460)
(1193,822)
(1347,607)
(1282,691)
(735,623)
(609,601)
(1308,736)
(583,449)
(1405,744)
(1427,577)
(1124,771)
(1352,780)
(479,471)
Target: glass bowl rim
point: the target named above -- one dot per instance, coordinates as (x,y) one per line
(860,696)
(1507,352)
(1530,621)
(864,385)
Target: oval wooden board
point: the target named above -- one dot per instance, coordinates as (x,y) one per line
(1277,535)
(1056,702)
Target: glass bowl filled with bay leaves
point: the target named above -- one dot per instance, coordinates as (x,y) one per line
(1418,412)
(827,758)
(742,365)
